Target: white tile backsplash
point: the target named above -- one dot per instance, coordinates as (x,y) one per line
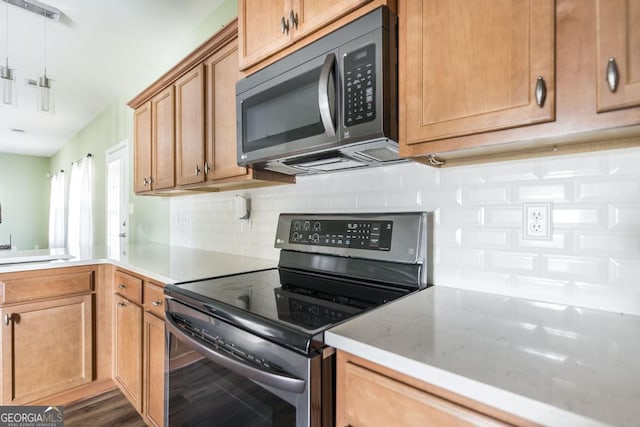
(591,260)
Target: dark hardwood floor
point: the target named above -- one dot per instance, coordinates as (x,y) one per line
(108,409)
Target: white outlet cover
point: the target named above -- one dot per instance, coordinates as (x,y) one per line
(536,221)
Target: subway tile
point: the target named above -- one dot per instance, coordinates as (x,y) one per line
(485,281)
(512,171)
(624,217)
(574,166)
(342,201)
(542,192)
(418,176)
(447,276)
(460,258)
(543,289)
(608,243)
(462,175)
(503,216)
(574,267)
(485,195)
(461,216)
(371,200)
(447,236)
(405,200)
(624,271)
(579,216)
(561,241)
(626,189)
(485,238)
(606,297)
(443,196)
(624,162)
(512,262)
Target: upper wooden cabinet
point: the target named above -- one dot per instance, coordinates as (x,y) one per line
(185,126)
(618,55)
(469,73)
(267,27)
(190,120)
(477,66)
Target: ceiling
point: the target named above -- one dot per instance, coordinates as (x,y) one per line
(98,53)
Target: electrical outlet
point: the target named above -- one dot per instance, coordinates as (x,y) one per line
(537,220)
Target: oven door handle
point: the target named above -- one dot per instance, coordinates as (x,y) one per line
(323,95)
(262,375)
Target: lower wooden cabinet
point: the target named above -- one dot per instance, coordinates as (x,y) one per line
(127,356)
(47,348)
(369,394)
(139,344)
(153,372)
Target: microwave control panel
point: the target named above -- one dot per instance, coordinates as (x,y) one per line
(368,235)
(360,85)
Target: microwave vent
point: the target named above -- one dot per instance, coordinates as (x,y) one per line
(283,168)
(383,154)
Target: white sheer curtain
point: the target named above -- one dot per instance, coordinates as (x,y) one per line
(80,222)
(56,211)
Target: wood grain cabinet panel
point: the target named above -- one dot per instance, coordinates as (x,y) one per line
(190,126)
(47,348)
(128,286)
(127,352)
(618,41)
(260,22)
(35,285)
(163,140)
(313,14)
(154,351)
(472,67)
(222,75)
(142,151)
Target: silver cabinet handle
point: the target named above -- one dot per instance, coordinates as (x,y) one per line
(207,168)
(613,75)
(197,170)
(122,286)
(8,318)
(326,114)
(541,91)
(122,235)
(122,304)
(284,25)
(293,18)
(156,303)
(145,181)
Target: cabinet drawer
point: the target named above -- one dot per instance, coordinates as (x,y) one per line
(128,286)
(154,299)
(35,285)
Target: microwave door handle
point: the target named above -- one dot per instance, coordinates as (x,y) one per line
(262,375)
(323,95)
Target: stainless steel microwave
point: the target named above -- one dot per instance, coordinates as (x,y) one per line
(331,105)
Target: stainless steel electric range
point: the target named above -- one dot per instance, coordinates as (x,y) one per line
(248,349)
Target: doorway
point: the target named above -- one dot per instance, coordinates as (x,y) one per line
(117,180)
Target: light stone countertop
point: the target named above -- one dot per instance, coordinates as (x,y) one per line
(550,363)
(163,263)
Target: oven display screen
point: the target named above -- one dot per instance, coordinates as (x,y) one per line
(368,235)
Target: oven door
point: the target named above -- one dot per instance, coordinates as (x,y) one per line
(217,374)
(293,113)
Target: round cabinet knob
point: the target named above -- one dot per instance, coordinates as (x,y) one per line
(122,286)
(156,303)
(122,304)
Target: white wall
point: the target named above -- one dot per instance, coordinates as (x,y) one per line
(593,259)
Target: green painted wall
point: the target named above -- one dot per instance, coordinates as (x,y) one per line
(24,200)
(150,219)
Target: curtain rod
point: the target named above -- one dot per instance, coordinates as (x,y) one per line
(78,161)
(49,175)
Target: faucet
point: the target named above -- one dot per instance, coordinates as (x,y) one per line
(6,247)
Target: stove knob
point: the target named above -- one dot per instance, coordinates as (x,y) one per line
(307,226)
(315,238)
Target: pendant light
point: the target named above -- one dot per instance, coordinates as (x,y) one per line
(7,74)
(46,101)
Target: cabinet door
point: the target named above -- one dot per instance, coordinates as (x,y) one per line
(47,348)
(163,140)
(142,148)
(369,399)
(314,14)
(190,126)
(222,75)
(153,370)
(618,40)
(470,67)
(260,30)
(127,368)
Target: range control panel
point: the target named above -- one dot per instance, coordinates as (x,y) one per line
(356,234)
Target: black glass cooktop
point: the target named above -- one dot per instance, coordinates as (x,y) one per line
(260,302)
